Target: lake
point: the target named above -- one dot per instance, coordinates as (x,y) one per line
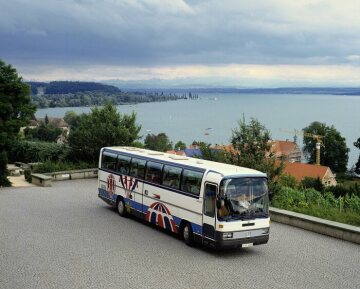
(189,120)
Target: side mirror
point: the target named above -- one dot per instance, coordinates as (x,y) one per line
(271,194)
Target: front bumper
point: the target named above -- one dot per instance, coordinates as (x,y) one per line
(236,243)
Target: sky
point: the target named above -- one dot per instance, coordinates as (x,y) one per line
(237,43)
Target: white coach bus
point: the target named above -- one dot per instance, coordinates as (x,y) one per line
(215,204)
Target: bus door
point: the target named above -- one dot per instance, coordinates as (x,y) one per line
(209,211)
(133,185)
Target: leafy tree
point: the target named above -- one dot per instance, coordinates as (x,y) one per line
(211,154)
(15,112)
(251,149)
(252,141)
(158,142)
(334,153)
(180,146)
(72,118)
(102,127)
(357,165)
(44,132)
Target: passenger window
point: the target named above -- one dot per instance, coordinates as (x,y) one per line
(209,200)
(191,182)
(171,176)
(153,172)
(123,165)
(108,161)
(137,169)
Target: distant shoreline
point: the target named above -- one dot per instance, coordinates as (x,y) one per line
(349,91)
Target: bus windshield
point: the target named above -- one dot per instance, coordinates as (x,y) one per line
(243,199)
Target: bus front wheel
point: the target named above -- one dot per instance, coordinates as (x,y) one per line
(121,208)
(187,235)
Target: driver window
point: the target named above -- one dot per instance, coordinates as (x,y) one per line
(209,200)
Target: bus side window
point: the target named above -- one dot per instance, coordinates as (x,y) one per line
(123,164)
(137,168)
(191,182)
(171,176)
(153,172)
(108,161)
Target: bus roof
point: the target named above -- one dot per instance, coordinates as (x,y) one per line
(224,169)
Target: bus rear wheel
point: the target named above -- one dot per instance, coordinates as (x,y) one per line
(188,235)
(121,208)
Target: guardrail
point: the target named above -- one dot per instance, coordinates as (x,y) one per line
(74,174)
(321,226)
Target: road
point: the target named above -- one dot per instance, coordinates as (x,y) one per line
(66,237)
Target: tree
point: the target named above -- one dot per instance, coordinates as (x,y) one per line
(102,127)
(72,118)
(357,165)
(158,142)
(251,148)
(333,154)
(180,145)
(211,154)
(15,112)
(44,132)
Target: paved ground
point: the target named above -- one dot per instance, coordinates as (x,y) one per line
(65,237)
(19,181)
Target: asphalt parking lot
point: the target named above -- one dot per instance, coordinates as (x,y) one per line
(66,237)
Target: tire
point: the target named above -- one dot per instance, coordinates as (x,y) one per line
(188,235)
(121,208)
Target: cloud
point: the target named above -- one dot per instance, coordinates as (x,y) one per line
(164,33)
(204,75)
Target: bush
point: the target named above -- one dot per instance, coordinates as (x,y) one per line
(288,198)
(343,209)
(27,151)
(312,196)
(4,182)
(50,166)
(27,175)
(341,190)
(287,180)
(312,183)
(352,203)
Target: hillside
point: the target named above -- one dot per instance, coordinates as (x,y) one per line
(65,87)
(76,93)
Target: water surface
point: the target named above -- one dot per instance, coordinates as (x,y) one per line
(189,120)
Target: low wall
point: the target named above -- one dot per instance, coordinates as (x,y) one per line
(321,226)
(74,174)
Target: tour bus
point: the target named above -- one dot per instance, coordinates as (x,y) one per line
(215,204)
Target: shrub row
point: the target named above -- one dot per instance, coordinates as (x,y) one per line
(324,205)
(28,151)
(50,166)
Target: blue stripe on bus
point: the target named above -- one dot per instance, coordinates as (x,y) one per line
(105,194)
(143,208)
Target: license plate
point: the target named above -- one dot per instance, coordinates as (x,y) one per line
(247,245)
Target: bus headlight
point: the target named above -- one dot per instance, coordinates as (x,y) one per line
(265,231)
(227,235)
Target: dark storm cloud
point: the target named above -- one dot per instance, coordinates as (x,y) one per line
(173,32)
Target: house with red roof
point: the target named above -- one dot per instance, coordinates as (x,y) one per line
(286,150)
(299,171)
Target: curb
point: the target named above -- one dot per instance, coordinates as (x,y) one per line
(329,228)
(73,174)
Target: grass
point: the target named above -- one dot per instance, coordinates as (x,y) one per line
(332,214)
